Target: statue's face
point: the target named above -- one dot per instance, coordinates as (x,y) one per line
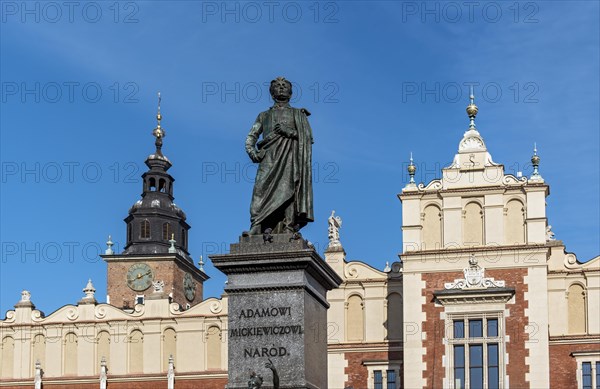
(281,90)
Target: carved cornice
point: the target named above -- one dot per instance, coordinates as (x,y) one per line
(510,183)
(470,249)
(473,296)
(289,260)
(198,274)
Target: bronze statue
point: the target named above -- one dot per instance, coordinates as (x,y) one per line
(255,381)
(269,365)
(282,199)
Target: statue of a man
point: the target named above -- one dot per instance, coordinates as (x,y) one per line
(282,199)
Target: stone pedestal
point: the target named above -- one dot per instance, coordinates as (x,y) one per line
(277,311)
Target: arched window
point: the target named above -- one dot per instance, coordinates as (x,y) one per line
(39,350)
(162,185)
(7,354)
(432,228)
(355,321)
(70,354)
(394,316)
(103,349)
(167,231)
(169,347)
(514,223)
(145,229)
(473,225)
(213,348)
(152,182)
(136,352)
(183,239)
(577,310)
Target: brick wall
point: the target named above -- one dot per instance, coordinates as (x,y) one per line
(357,372)
(433,327)
(563,367)
(167,271)
(516,326)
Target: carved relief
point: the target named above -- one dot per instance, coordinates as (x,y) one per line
(433,185)
(216,307)
(471,143)
(474,278)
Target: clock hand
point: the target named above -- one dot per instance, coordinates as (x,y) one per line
(140,275)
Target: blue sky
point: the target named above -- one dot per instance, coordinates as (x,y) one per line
(381,79)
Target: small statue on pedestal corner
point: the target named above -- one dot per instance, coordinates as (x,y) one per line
(335,223)
(255,381)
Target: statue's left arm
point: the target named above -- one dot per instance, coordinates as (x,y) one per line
(252,138)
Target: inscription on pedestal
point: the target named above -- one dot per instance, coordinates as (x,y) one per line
(254,329)
(276,291)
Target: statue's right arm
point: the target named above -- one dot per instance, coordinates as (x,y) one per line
(252,138)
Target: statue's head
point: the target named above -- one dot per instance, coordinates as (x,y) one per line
(281,89)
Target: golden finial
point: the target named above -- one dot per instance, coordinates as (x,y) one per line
(158,132)
(472,109)
(411,169)
(535,160)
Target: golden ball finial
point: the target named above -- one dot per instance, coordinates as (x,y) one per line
(472,110)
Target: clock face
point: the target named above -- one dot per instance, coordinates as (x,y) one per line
(189,287)
(139,277)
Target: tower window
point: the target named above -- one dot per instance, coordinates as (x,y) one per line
(167,231)
(129,235)
(183,239)
(152,184)
(145,230)
(162,185)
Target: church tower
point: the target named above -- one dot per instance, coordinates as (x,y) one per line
(155,261)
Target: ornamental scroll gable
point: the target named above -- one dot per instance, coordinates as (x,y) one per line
(474,278)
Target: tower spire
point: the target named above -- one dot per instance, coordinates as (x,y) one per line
(159,132)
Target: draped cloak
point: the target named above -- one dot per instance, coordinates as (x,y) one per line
(285,170)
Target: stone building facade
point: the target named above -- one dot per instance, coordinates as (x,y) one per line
(74,343)
(483,297)
(490,298)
